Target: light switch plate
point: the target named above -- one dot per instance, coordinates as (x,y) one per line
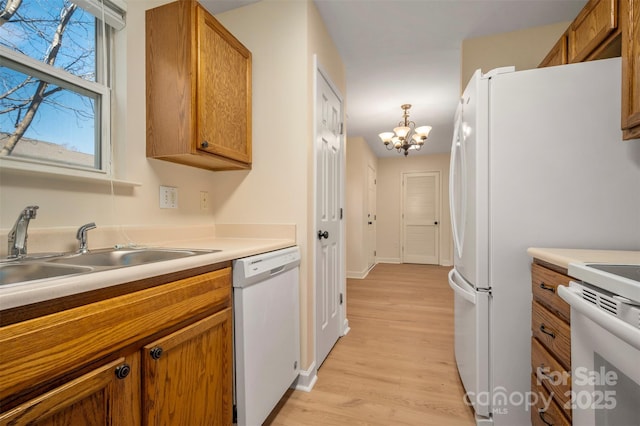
(168,197)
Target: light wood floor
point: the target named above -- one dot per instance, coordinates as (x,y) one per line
(396,365)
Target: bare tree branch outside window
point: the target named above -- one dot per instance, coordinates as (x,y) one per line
(37,108)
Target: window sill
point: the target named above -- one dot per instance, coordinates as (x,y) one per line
(9,167)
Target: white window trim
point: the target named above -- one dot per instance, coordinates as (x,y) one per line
(114,11)
(105,121)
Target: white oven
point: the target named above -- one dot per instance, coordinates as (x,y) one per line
(605,351)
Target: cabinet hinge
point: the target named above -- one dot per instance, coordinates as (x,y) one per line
(375,253)
(342,128)
(340,212)
(341,298)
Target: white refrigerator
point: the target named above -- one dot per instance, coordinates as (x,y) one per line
(537,160)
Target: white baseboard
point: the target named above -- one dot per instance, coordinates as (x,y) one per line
(388,260)
(345,327)
(360,275)
(446,262)
(357,275)
(306,379)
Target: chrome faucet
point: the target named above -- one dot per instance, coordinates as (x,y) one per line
(17,237)
(81,236)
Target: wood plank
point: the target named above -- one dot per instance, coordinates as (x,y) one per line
(396,365)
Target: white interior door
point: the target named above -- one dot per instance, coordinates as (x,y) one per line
(328,238)
(420,217)
(371,217)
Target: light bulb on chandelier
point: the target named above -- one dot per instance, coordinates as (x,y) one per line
(406,136)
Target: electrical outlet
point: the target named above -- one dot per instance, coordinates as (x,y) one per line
(168,197)
(204,200)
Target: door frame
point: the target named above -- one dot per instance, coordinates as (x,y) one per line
(402,189)
(344,322)
(371,246)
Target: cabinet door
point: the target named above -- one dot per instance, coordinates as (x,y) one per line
(630,68)
(223,91)
(557,55)
(187,375)
(104,396)
(591,28)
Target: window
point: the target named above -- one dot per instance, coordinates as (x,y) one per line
(54,82)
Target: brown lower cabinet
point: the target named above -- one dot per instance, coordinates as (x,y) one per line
(545,410)
(550,346)
(160,356)
(192,366)
(99,397)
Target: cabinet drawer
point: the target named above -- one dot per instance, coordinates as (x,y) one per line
(595,23)
(555,378)
(545,284)
(553,333)
(545,411)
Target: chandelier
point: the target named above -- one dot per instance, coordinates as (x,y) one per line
(407,136)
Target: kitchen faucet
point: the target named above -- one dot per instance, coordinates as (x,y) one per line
(81,236)
(17,238)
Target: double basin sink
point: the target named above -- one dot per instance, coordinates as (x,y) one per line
(50,266)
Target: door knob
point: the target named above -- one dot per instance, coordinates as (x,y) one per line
(322,235)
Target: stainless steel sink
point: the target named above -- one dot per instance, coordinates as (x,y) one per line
(117,258)
(11,273)
(50,266)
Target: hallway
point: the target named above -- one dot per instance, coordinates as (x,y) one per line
(396,365)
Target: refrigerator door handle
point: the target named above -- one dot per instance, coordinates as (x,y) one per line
(457,154)
(457,287)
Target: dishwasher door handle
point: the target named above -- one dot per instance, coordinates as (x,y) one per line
(277,270)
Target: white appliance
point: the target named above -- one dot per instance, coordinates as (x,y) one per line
(605,344)
(537,160)
(266,317)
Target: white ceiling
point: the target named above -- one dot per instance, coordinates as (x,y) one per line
(408,51)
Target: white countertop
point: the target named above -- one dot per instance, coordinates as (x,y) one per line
(562,257)
(14,295)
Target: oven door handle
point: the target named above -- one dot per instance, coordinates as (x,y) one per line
(618,328)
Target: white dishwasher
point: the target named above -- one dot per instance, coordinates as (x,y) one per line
(266,316)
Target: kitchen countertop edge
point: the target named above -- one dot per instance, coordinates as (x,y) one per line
(12,296)
(562,257)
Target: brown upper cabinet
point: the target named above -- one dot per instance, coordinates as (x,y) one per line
(593,29)
(557,55)
(630,68)
(607,29)
(198,89)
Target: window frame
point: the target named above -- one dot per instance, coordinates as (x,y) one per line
(21,62)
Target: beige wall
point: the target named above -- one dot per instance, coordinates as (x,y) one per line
(390,171)
(69,203)
(523,49)
(283,37)
(359,158)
